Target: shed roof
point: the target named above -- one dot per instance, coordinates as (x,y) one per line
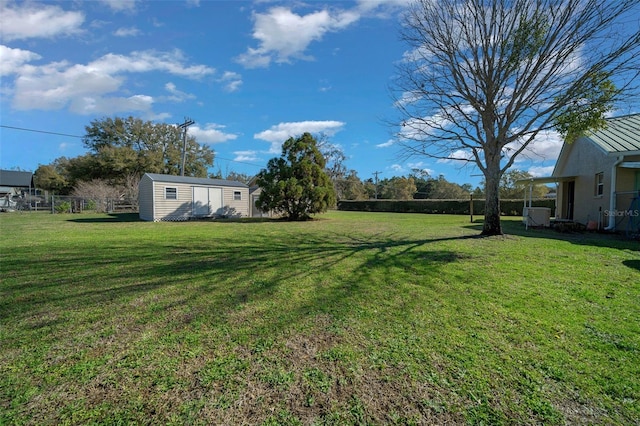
(621,136)
(194,180)
(15,179)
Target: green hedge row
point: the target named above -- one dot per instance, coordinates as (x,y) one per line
(508,207)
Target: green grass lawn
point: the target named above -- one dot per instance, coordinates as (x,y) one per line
(353,318)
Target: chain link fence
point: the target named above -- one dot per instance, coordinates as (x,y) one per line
(67,204)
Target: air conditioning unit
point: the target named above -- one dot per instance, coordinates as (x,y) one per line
(536,216)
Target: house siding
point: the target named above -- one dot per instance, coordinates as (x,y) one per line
(579,162)
(626,191)
(613,150)
(586,160)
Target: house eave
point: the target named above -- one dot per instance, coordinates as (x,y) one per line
(623,153)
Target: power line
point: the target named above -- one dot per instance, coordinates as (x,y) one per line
(81,137)
(236,161)
(40,131)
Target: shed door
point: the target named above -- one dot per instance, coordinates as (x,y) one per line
(215,200)
(201,201)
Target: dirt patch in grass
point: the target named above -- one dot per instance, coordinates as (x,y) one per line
(315,377)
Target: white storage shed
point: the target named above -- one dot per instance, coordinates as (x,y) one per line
(174,198)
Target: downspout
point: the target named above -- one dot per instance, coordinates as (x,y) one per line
(612,195)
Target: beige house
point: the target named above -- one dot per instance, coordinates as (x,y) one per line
(173,198)
(598,177)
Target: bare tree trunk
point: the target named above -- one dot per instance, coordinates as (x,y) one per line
(492,174)
(492,209)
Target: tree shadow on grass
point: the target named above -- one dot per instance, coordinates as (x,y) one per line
(596,239)
(109,218)
(632,263)
(206,276)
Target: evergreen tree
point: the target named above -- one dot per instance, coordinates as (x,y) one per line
(296,184)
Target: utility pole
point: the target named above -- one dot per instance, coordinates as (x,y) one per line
(187,122)
(376,182)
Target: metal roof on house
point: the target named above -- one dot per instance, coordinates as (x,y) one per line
(621,136)
(194,180)
(15,179)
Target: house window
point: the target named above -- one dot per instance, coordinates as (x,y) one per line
(237,195)
(171,193)
(599,188)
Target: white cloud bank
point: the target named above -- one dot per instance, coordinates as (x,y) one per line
(95,87)
(246,156)
(211,133)
(37,21)
(12,60)
(279,133)
(284,35)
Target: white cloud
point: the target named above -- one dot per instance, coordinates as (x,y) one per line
(382,6)
(211,133)
(127,32)
(284,35)
(231,80)
(121,5)
(12,60)
(456,156)
(96,86)
(103,105)
(150,60)
(541,171)
(420,165)
(32,20)
(177,95)
(546,146)
(397,168)
(386,144)
(281,132)
(246,156)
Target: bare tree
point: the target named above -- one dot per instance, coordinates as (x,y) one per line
(98,190)
(484,77)
(130,190)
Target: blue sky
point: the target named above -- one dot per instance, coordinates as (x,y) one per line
(250,74)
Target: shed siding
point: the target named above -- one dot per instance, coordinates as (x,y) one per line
(235,208)
(178,209)
(155,206)
(145,198)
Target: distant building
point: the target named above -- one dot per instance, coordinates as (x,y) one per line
(14,185)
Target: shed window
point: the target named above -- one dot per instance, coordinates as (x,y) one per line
(237,195)
(599,188)
(171,193)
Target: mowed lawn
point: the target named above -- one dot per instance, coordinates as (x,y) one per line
(353,318)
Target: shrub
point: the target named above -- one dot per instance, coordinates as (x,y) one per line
(63,207)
